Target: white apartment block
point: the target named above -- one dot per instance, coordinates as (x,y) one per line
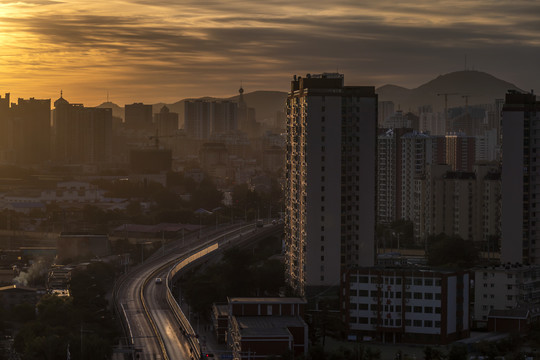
(407,304)
(504,287)
(330,180)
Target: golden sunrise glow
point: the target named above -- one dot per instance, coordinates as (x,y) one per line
(179,49)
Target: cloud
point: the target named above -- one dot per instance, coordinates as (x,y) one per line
(207,47)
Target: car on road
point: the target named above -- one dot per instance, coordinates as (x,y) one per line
(158,281)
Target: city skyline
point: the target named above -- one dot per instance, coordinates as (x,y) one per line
(140,51)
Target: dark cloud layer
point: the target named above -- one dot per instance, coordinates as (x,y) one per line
(208,47)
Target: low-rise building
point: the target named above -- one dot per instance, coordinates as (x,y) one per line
(406,304)
(13,295)
(262,327)
(504,287)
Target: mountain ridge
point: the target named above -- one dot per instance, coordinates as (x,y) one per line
(478,88)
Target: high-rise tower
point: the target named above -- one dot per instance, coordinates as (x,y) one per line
(330,179)
(520,184)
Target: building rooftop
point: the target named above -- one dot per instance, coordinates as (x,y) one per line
(268,325)
(267,300)
(17,287)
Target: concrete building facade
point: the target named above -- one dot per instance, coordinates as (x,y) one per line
(407,304)
(330,179)
(520,179)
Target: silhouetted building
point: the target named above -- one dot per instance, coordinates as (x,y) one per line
(330,179)
(246,117)
(138,116)
(31,131)
(166,122)
(81,134)
(203,119)
(520,179)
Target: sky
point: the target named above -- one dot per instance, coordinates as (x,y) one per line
(166,50)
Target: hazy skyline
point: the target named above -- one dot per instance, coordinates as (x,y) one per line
(165,50)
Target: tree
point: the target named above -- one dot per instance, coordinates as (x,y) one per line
(432,354)
(446,250)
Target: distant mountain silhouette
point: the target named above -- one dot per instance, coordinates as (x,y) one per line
(116,110)
(480,87)
(266,104)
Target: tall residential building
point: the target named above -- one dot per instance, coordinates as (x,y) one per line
(520,179)
(416,154)
(6,126)
(166,122)
(385,110)
(81,134)
(459,203)
(386,177)
(460,151)
(31,121)
(330,179)
(204,119)
(138,116)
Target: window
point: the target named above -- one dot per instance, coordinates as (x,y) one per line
(418,282)
(363,307)
(437,296)
(428,310)
(428,296)
(363,293)
(509,287)
(428,323)
(407,322)
(363,279)
(408,308)
(417,309)
(353,292)
(437,310)
(428,282)
(417,323)
(362,320)
(437,324)
(408,295)
(374,293)
(417,295)
(509,297)
(398,294)
(398,308)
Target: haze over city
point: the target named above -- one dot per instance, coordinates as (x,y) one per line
(166,50)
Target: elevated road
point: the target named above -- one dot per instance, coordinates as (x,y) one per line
(154,325)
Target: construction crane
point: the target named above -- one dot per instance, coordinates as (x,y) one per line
(157,137)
